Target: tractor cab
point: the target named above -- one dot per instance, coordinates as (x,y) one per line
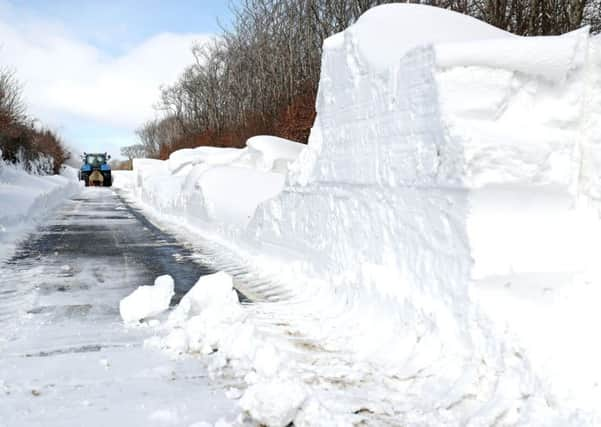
(95,170)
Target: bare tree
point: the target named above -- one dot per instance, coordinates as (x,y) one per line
(12,108)
(135,151)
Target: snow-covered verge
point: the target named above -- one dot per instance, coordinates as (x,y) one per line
(25,198)
(432,251)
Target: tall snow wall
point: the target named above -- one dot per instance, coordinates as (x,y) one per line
(444,151)
(460,143)
(366,208)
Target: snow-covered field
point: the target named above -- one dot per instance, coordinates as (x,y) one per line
(26,198)
(429,258)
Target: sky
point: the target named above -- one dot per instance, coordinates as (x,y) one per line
(92,70)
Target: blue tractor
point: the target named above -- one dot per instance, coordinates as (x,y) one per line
(95,170)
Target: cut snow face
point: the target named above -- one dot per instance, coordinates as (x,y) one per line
(439,174)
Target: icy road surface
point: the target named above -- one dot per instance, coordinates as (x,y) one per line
(66,359)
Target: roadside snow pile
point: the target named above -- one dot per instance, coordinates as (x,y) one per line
(211,321)
(147,301)
(450,162)
(25,198)
(211,186)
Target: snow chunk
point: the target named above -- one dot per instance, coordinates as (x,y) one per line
(212,290)
(147,301)
(204,316)
(274,403)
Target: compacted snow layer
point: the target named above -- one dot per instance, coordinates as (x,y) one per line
(25,198)
(421,253)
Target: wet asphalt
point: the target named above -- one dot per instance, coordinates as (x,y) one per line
(98,226)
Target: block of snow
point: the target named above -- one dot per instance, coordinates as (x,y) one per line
(274,403)
(206,317)
(147,301)
(211,290)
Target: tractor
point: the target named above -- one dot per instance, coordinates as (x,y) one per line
(95,170)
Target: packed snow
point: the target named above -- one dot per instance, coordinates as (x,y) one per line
(26,197)
(429,257)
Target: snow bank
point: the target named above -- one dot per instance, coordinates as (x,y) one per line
(442,163)
(25,198)
(147,301)
(217,186)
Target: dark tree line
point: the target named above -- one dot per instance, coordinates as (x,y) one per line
(261,75)
(37,149)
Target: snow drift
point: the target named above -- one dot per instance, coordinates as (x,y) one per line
(447,157)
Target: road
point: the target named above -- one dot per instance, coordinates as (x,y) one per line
(65,356)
